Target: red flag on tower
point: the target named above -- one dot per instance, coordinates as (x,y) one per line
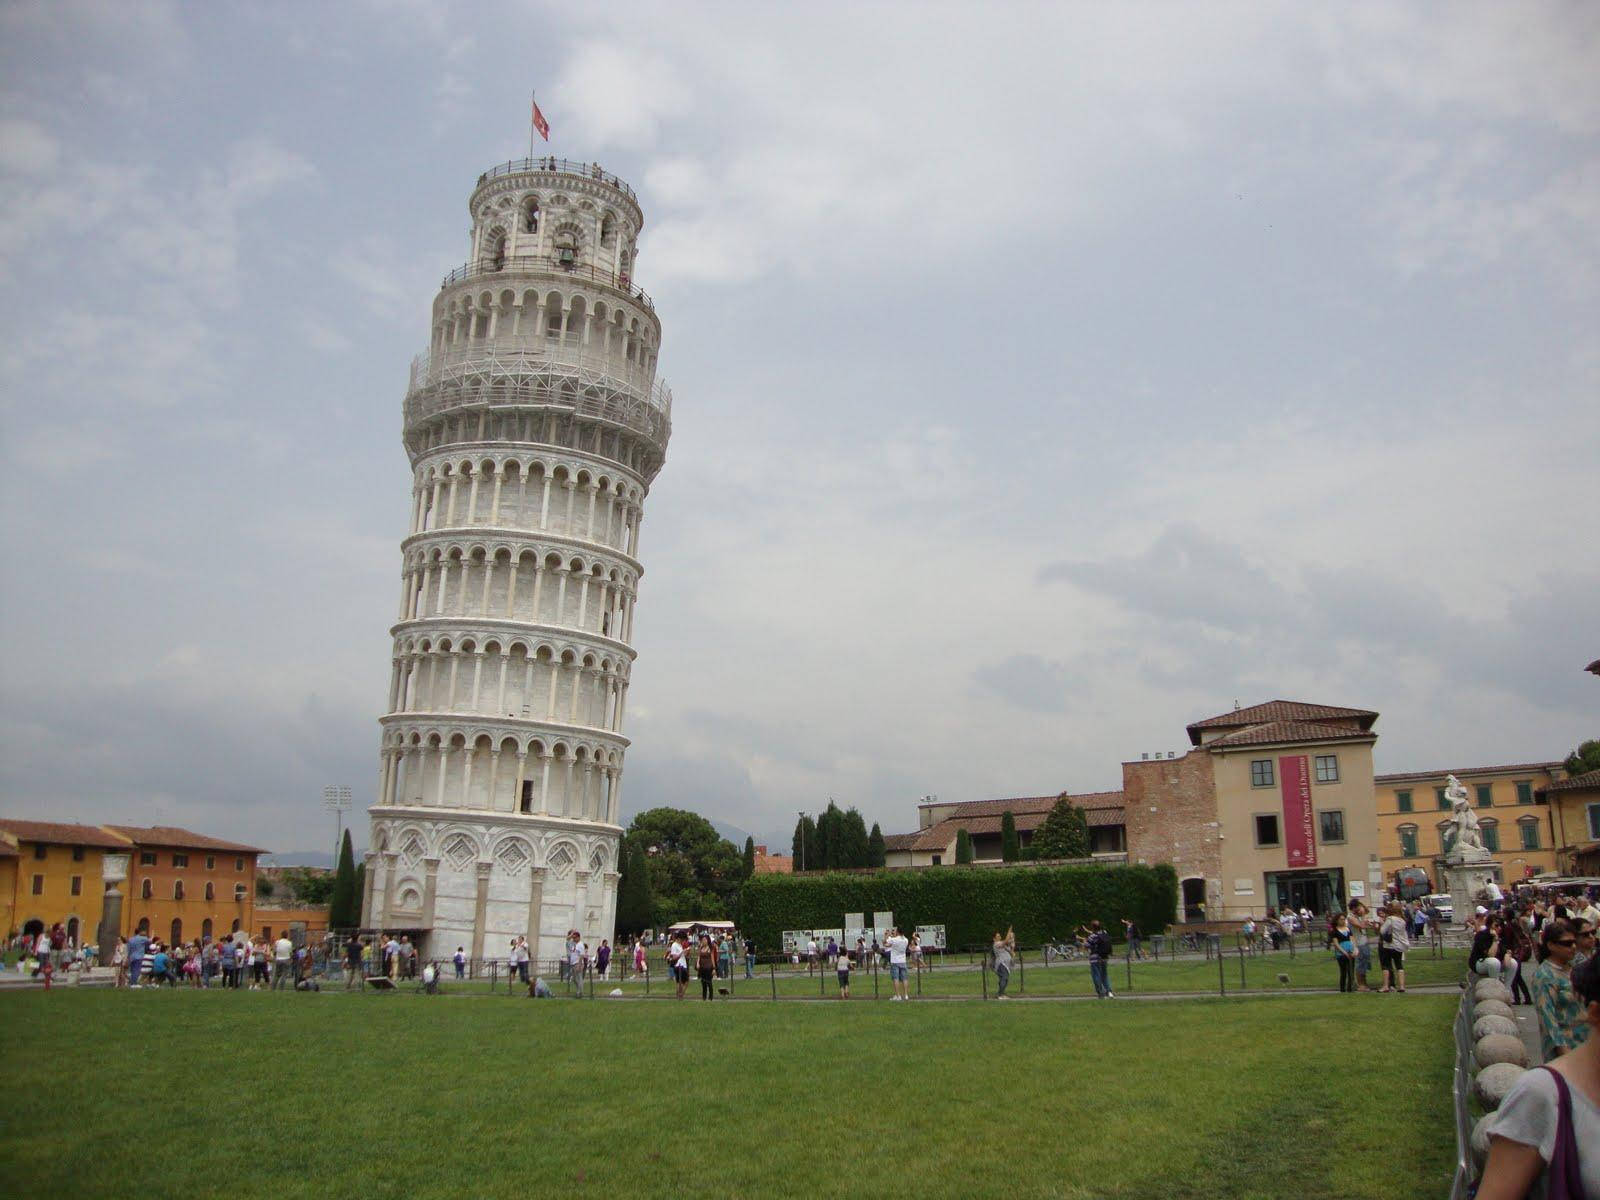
(539,123)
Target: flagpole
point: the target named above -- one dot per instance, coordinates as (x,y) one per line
(535,100)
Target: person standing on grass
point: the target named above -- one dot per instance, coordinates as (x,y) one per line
(844,973)
(1099,958)
(119,962)
(1562,1027)
(811,955)
(749,958)
(1361,923)
(137,945)
(282,955)
(1392,946)
(602,958)
(1002,965)
(706,966)
(1344,952)
(352,963)
(638,957)
(896,944)
(677,963)
(1526,1130)
(1135,940)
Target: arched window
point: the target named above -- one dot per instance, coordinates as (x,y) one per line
(608,230)
(530,215)
(177,889)
(1491,835)
(1528,831)
(205,929)
(211,890)
(1408,840)
(177,931)
(146,890)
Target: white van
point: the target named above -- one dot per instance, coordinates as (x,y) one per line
(1442,902)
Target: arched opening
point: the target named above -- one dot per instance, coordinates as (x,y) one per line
(143,926)
(530,215)
(205,929)
(177,931)
(1194,899)
(146,890)
(72,930)
(211,891)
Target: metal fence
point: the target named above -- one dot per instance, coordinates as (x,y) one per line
(1461,1089)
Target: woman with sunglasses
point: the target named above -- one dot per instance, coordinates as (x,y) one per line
(1562,1026)
(1526,1134)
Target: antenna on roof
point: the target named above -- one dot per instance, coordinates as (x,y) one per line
(1236,704)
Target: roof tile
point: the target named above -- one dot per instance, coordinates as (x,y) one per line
(1290,731)
(61,834)
(171,835)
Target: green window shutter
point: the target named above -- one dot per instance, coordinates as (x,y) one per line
(1485,795)
(1530,835)
(1491,837)
(1403,800)
(1524,792)
(1440,800)
(1408,842)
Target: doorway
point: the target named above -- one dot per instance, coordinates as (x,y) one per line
(1194,899)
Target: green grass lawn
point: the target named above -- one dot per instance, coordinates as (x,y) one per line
(405,1095)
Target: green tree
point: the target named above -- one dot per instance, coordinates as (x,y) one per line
(876,856)
(310,886)
(805,844)
(1010,844)
(963,846)
(854,842)
(1585,758)
(693,870)
(830,838)
(264,888)
(749,857)
(1065,832)
(344,909)
(633,890)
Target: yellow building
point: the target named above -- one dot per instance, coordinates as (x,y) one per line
(1413,813)
(57,876)
(184,885)
(1575,815)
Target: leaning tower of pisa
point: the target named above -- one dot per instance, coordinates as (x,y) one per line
(534,425)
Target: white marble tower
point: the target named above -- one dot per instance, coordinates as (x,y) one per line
(534,425)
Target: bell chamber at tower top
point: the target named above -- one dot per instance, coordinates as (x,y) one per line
(544,315)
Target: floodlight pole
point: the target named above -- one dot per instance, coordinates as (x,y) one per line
(337,797)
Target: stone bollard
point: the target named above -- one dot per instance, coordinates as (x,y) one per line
(1499,1048)
(1480,1139)
(1484,1026)
(1493,1082)
(1491,989)
(1493,1008)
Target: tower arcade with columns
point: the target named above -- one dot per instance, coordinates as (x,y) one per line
(534,425)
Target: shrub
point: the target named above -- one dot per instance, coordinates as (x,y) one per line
(1039,902)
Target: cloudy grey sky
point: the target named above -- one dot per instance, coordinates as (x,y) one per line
(1047,377)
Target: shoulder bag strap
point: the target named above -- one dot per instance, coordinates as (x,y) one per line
(1563,1178)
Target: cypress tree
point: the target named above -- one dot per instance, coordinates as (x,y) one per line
(876,856)
(633,891)
(1010,845)
(853,838)
(749,857)
(344,907)
(963,846)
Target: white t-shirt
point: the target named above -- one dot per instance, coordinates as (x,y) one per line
(283,950)
(1529,1113)
(675,953)
(897,950)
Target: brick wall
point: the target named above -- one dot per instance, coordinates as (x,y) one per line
(1183,828)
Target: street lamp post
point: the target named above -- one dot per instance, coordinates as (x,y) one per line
(337,797)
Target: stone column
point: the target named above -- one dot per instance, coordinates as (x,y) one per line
(430,890)
(113,870)
(370,890)
(608,903)
(390,858)
(580,903)
(535,903)
(480,908)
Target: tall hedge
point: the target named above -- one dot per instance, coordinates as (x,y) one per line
(1039,902)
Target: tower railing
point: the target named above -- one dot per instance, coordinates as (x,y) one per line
(558,166)
(487,373)
(549,264)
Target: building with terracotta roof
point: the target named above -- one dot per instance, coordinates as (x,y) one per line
(934,843)
(184,885)
(52,871)
(1516,820)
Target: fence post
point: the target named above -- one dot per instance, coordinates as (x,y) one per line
(1222,981)
(772,973)
(874,976)
(1242,983)
(1130,968)
(647,975)
(984,968)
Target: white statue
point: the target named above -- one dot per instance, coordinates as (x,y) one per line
(1468,844)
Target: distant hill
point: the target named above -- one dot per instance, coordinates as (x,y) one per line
(308,858)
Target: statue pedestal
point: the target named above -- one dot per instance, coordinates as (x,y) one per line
(1464,880)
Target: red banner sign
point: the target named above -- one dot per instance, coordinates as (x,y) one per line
(1299,822)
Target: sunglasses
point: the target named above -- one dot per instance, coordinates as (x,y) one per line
(1563,941)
